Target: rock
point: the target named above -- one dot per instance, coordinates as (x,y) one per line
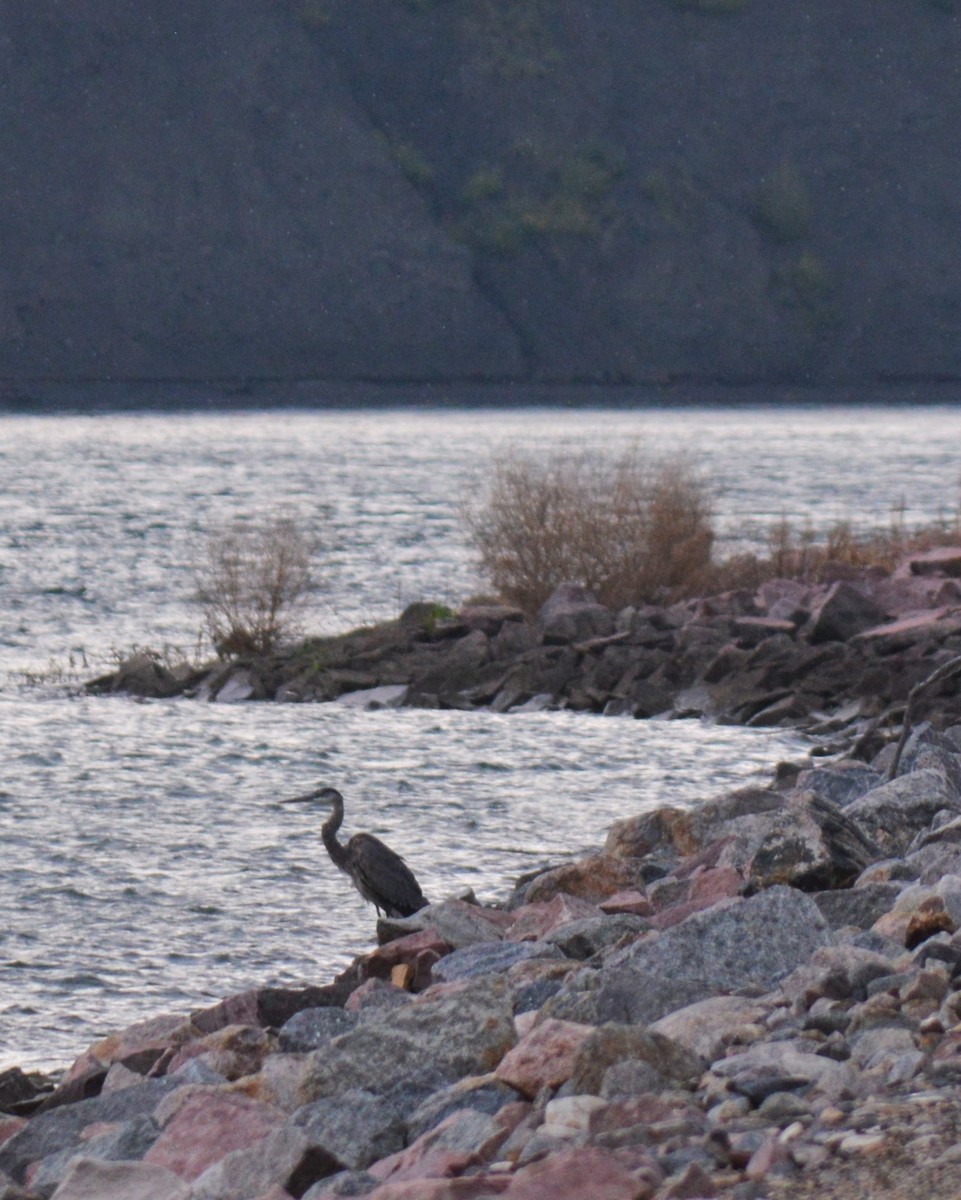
(534,921)
(285,1157)
(569,1116)
(840,782)
(140,675)
(489,958)
(572,614)
(232,1052)
(593,878)
(843,612)
(481,1093)
(418,951)
(129,1140)
(630,901)
(272,1006)
(91,1180)
(811,845)
(706,1027)
(455,922)
(391,695)
(545,1057)
(575,1175)
(666,829)
(588,936)
(771,1064)
(465,1034)
(353,1129)
(921,910)
(201,1125)
(756,941)
(942,560)
(860,906)
(461,1139)
(671,1064)
(891,815)
(312,1028)
(62,1127)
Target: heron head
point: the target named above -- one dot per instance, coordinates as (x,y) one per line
(321,795)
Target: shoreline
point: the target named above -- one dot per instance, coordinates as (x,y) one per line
(755,998)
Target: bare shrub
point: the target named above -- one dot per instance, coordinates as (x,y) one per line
(629,528)
(252,584)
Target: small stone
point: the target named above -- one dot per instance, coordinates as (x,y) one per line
(545,1057)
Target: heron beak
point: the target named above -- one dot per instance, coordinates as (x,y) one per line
(298,799)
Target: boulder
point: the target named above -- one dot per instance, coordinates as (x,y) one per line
(669,1063)
(706,1027)
(354,1129)
(544,1057)
(575,1174)
(201,1125)
(739,943)
(593,878)
(811,845)
(488,958)
(312,1028)
(62,1127)
(942,560)
(88,1179)
(891,815)
(841,613)
(464,1034)
(572,614)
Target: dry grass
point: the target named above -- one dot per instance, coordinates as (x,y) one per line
(630,528)
(252,585)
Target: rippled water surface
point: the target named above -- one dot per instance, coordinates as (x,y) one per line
(147,865)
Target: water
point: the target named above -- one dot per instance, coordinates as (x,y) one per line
(147,865)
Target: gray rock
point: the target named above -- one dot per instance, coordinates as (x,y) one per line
(857,906)
(774,1063)
(840,782)
(842,613)
(345,1183)
(488,958)
(812,844)
(757,941)
(60,1128)
(130,1141)
(285,1157)
(312,1028)
(893,813)
(466,1034)
(572,614)
(456,922)
(586,937)
(670,1063)
(90,1179)
(354,1129)
(480,1093)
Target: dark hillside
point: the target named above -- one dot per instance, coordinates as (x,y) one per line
(481,189)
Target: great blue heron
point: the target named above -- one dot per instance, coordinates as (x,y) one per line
(380,875)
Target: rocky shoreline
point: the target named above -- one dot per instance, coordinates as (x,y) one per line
(838,657)
(759,997)
(756,998)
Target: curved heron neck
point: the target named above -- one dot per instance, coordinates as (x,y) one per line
(328,831)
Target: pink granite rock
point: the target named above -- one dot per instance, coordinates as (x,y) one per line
(587,1173)
(629,901)
(534,921)
(90,1179)
(201,1125)
(593,878)
(544,1057)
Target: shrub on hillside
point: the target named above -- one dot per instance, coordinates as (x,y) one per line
(630,528)
(252,585)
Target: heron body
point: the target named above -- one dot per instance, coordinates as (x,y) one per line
(377,872)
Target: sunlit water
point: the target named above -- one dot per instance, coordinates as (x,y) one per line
(147,866)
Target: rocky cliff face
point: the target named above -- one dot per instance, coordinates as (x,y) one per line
(480,189)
